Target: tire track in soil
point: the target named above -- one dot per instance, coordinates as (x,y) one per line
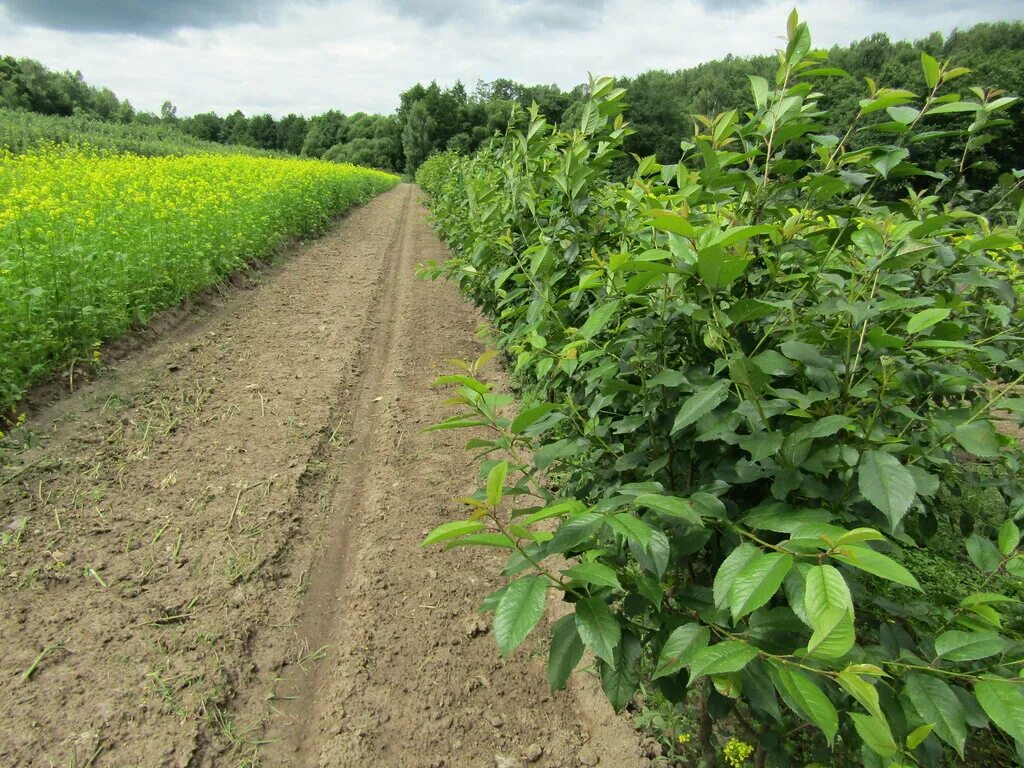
(252,490)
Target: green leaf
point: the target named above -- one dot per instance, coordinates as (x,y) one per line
(722,658)
(759,89)
(729,569)
(620,680)
(594,573)
(926,318)
(518,611)
(825,590)
(936,703)
(874,732)
(955,645)
(931,70)
(565,653)
(717,269)
(631,527)
(833,635)
(863,691)
(530,416)
(598,319)
(679,650)
(451,530)
(1009,537)
(955,106)
(979,437)
(1003,702)
(886,483)
(757,583)
(701,403)
(877,564)
(799,44)
(983,553)
(673,506)
(806,699)
(670,221)
(918,735)
(496,483)
(598,627)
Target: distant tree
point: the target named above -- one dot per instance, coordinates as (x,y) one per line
(291,133)
(263,130)
(168,112)
(206,125)
(417,136)
(325,131)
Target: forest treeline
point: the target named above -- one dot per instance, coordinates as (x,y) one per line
(430,118)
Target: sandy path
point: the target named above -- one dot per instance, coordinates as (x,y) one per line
(218,559)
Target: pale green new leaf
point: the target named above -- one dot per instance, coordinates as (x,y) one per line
(757,583)
(1009,537)
(875,732)
(926,318)
(728,570)
(496,482)
(722,658)
(809,701)
(883,566)
(451,530)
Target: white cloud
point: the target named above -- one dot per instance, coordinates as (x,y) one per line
(356,55)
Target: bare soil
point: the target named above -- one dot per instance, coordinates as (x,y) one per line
(209,553)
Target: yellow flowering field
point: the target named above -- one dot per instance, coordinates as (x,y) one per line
(91,244)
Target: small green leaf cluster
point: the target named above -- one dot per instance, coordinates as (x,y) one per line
(747,377)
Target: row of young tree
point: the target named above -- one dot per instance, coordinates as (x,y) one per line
(431,119)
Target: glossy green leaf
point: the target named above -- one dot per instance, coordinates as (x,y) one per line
(565,653)
(594,573)
(518,611)
(721,658)
(620,680)
(1003,702)
(681,648)
(757,582)
(598,628)
(934,702)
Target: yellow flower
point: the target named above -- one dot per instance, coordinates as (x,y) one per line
(736,752)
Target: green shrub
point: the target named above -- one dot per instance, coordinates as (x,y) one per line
(746,378)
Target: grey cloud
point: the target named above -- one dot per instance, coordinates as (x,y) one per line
(151,18)
(523,14)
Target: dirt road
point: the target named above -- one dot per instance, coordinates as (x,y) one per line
(209,554)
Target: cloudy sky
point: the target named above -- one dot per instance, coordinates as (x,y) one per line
(307,56)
